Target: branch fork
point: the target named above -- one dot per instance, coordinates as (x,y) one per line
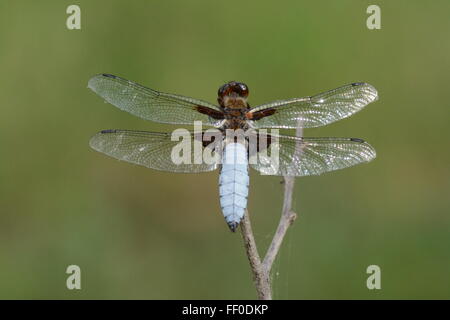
(261,268)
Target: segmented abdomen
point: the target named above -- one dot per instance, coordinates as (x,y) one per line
(233,183)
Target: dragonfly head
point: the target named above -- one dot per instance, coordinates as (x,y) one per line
(233,89)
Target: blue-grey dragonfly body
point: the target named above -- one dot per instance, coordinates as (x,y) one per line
(296,156)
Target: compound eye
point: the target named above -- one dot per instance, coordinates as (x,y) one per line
(243,88)
(222,90)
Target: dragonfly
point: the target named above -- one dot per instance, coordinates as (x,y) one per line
(296,155)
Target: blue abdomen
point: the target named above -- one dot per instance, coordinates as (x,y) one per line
(233,183)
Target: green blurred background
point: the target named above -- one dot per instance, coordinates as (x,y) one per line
(142,234)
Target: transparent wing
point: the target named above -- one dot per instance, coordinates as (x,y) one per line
(149,149)
(152,105)
(312,156)
(314,111)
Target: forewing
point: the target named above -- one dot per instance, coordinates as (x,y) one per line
(152,105)
(149,149)
(314,111)
(312,156)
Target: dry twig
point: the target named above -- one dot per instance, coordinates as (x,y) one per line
(261,269)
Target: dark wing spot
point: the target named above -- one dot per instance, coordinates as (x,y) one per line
(215,114)
(357,140)
(109,131)
(358,84)
(109,75)
(260,114)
